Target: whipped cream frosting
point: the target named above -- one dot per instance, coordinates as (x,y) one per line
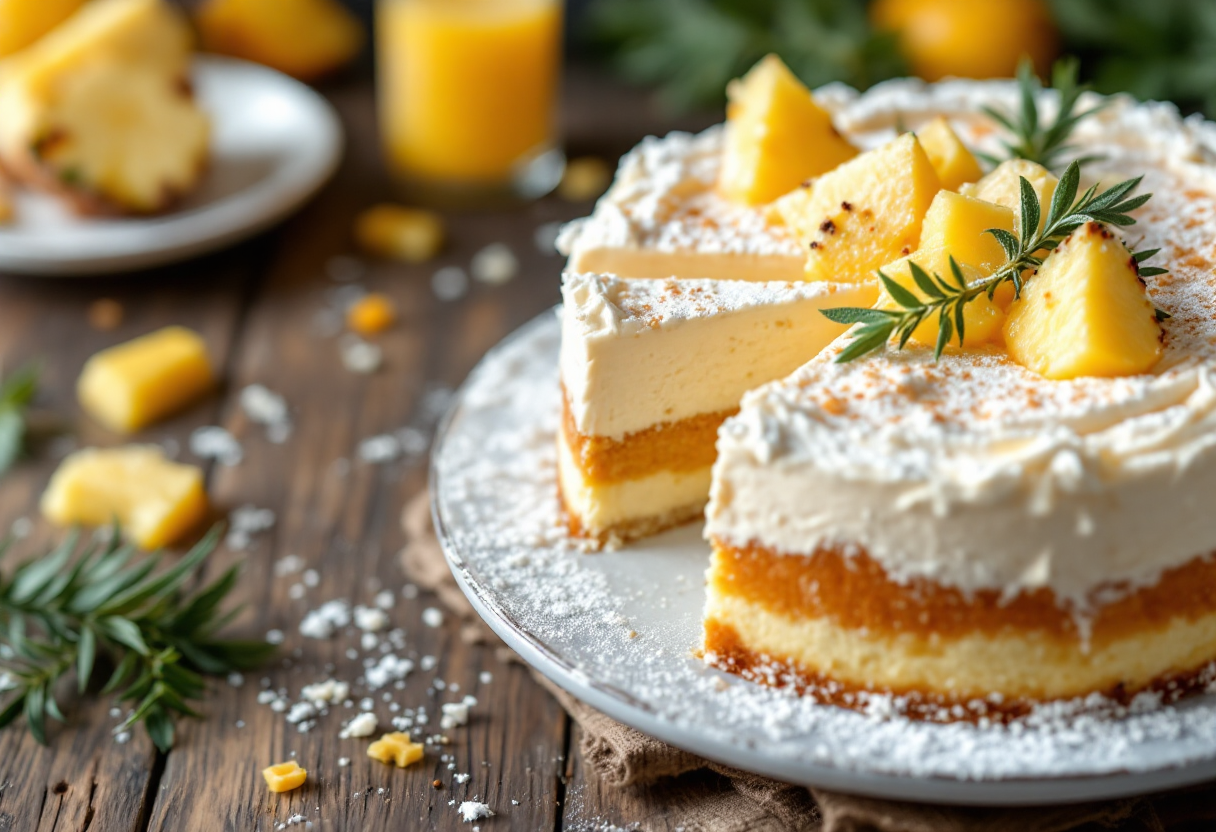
(973,471)
(663,199)
(638,352)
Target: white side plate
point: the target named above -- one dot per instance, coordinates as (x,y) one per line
(618,630)
(275,143)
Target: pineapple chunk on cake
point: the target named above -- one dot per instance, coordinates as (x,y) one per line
(24,21)
(865,213)
(155,499)
(1085,313)
(957,223)
(982,318)
(954,163)
(1002,187)
(776,135)
(101,111)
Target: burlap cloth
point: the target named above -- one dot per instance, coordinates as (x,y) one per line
(701,796)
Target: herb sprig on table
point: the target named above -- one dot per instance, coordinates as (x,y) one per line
(16,392)
(946,298)
(62,612)
(1033,137)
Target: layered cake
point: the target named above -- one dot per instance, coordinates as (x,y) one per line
(975,511)
(651,368)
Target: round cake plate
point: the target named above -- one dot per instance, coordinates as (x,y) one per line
(618,630)
(274,143)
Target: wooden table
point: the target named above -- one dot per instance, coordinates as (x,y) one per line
(257,307)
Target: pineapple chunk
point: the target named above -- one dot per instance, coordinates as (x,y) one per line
(396,748)
(776,135)
(866,212)
(156,500)
(982,318)
(283,777)
(1002,187)
(133,384)
(100,112)
(957,223)
(24,21)
(1085,313)
(304,38)
(954,163)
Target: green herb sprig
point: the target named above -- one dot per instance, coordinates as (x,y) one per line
(62,612)
(946,298)
(1032,137)
(16,393)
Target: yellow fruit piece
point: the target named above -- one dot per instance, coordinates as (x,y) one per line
(969,38)
(1002,187)
(954,163)
(866,212)
(99,110)
(24,21)
(399,233)
(982,318)
(155,499)
(585,178)
(395,748)
(1085,313)
(304,38)
(132,385)
(776,135)
(371,314)
(957,223)
(284,777)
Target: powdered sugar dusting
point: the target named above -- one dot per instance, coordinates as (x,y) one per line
(621,627)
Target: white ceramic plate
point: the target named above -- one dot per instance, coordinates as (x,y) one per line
(275,143)
(571,616)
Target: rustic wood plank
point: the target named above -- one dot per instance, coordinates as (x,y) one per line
(83,778)
(341,516)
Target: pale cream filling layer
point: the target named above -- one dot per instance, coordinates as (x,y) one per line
(1030,666)
(601,507)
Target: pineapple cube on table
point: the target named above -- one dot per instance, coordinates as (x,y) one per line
(865,213)
(776,135)
(1085,313)
(131,385)
(954,163)
(155,499)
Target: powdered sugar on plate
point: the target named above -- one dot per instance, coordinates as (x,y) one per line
(618,629)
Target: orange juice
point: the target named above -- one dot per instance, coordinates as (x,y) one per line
(467,87)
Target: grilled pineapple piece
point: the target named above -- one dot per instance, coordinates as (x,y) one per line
(1085,313)
(865,213)
(776,135)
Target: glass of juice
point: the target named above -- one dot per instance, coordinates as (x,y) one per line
(467,97)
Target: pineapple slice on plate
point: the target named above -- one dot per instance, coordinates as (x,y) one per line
(1085,313)
(776,135)
(954,163)
(865,213)
(982,318)
(101,112)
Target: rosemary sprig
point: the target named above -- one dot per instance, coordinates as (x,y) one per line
(62,612)
(16,392)
(947,297)
(1033,138)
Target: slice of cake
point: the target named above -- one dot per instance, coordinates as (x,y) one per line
(651,368)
